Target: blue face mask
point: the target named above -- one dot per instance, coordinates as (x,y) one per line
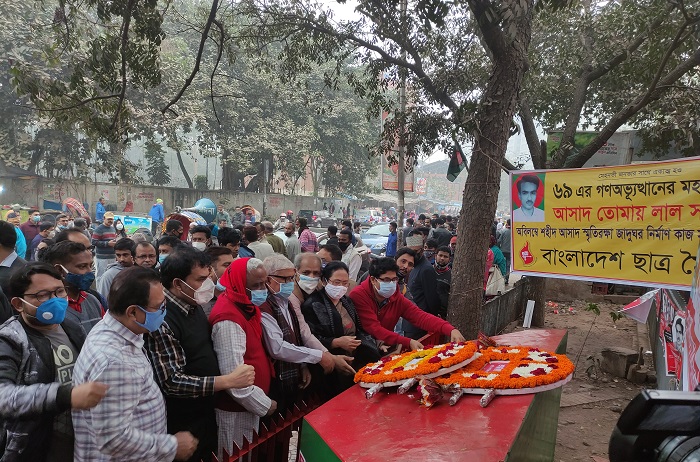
(153,319)
(162,257)
(81,281)
(220,287)
(386,289)
(52,311)
(258,297)
(286,289)
(36,219)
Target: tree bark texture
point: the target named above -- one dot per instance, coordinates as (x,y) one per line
(483,181)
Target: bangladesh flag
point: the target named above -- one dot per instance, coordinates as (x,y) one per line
(457,163)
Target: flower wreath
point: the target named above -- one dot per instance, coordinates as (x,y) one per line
(512,367)
(440,359)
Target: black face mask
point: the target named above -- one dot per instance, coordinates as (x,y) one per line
(343,246)
(288,234)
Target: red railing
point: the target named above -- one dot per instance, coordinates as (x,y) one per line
(271,443)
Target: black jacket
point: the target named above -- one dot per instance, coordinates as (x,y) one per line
(29,396)
(326,324)
(422,282)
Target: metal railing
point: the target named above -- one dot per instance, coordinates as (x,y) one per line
(271,443)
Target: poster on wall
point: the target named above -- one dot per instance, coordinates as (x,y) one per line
(132,223)
(633,224)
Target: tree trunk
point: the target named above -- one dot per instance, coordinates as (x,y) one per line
(538,152)
(183,169)
(483,181)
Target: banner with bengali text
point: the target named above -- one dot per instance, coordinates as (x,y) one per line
(635,224)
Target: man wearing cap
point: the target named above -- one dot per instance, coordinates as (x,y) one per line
(422,283)
(21,242)
(104,238)
(30,229)
(157,216)
(100,210)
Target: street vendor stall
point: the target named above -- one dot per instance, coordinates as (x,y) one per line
(393,427)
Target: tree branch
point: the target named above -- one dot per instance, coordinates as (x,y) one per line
(216,65)
(533,141)
(198,58)
(631,109)
(78,104)
(122,52)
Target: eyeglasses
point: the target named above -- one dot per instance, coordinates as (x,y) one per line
(161,308)
(283,278)
(388,280)
(90,248)
(44,295)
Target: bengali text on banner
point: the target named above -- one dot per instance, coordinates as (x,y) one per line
(635,224)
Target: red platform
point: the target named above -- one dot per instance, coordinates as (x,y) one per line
(392,427)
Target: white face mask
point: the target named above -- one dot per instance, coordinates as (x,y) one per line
(199,246)
(120,226)
(336,292)
(205,293)
(307,284)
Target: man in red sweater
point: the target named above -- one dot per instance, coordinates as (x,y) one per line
(379,306)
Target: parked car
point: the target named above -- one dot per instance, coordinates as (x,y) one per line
(317,218)
(368,216)
(376,237)
(308,214)
(323,219)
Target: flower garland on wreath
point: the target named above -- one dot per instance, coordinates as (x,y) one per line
(392,370)
(510,367)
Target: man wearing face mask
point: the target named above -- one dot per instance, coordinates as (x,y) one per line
(282,336)
(429,250)
(201,237)
(308,275)
(104,238)
(221,258)
(422,284)
(38,350)
(350,255)
(182,354)
(75,262)
(237,336)
(167,245)
(379,306)
(130,422)
(292,244)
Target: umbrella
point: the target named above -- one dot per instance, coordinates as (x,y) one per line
(75,208)
(639,309)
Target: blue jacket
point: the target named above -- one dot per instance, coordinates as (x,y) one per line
(391,244)
(156,213)
(99,212)
(20,243)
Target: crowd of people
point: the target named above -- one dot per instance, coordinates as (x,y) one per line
(115,348)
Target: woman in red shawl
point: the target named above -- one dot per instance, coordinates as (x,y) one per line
(237,337)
